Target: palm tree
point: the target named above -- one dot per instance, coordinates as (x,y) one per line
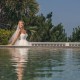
(13,10)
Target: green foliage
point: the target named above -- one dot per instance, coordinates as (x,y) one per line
(43,26)
(13,10)
(58,34)
(4,36)
(44,31)
(75,37)
(39,27)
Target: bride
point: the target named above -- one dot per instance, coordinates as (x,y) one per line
(20,35)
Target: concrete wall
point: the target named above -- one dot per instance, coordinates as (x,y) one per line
(57,44)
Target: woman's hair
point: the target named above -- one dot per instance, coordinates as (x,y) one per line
(21,21)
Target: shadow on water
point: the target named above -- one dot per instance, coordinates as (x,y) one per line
(39,64)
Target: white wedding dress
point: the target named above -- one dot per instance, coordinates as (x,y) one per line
(22,41)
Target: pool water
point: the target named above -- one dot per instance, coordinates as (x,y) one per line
(39,64)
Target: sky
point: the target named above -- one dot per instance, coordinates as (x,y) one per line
(66,12)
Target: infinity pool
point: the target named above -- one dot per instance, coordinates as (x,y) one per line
(39,64)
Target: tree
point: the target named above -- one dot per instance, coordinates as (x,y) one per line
(43,25)
(44,31)
(39,27)
(75,35)
(58,34)
(13,10)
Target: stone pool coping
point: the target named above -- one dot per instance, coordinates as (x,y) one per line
(46,45)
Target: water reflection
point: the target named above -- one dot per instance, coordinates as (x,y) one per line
(39,64)
(44,64)
(19,58)
(76,59)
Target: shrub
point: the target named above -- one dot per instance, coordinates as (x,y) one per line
(4,36)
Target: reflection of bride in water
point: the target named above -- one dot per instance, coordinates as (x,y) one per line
(19,57)
(20,35)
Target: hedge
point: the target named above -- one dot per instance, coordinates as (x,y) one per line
(5,36)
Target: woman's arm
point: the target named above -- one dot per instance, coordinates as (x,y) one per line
(15,39)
